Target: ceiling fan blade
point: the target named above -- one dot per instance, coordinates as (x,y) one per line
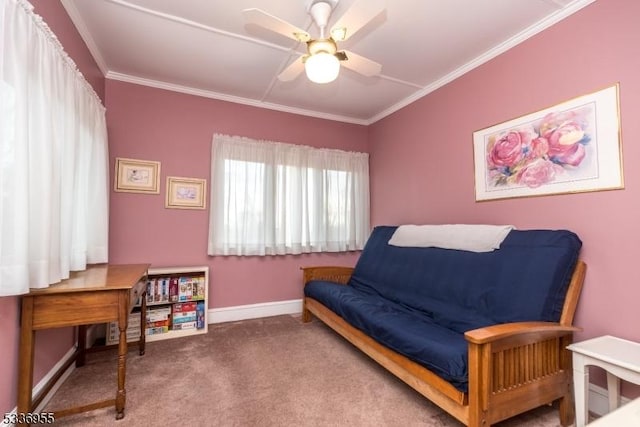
(356,17)
(275,24)
(361,65)
(292,71)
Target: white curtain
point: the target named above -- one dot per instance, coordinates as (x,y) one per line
(271,198)
(53,158)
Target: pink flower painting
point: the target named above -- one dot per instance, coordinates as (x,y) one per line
(571,147)
(540,152)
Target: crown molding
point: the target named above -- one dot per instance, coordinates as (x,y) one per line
(111,75)
(569,9)
(85,34)
(487,56)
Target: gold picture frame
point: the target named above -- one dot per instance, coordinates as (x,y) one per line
(137,176)
(571,147)
(186,193)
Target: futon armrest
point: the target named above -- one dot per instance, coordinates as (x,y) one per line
(519,331)
(331,274)
(525,359)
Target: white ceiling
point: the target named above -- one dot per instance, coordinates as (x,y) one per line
(205,47)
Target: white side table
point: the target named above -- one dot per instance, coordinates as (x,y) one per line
(620,358)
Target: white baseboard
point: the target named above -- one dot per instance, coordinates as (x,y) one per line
(41,384)
(58,383)
(254,311)
(599,400)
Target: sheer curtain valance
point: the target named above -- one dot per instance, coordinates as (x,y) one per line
(53,158)
(271,198)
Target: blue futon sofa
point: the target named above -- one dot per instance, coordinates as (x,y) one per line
(481,334)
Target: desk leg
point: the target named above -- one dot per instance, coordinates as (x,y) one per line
(25,362)
(143,323)
(123,314)
(613,387)
(580,387)
(81,358)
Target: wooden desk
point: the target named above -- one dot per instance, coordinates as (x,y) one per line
(100,294)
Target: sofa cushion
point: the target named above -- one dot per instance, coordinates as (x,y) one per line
(525,280)
(406,331)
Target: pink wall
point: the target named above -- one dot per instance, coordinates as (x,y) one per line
(176,129)
(51,345)
(426,150)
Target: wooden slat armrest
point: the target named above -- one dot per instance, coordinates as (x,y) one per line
(331,274)
(526,331)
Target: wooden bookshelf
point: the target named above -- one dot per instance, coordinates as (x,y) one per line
(174,293)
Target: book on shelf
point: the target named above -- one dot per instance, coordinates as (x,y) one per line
(154,330)
(173,289)
(184,326)
(184,306)
(177,316)
(200,288)
(184,312)
(187,316)
(157,323)
(157,293)
(158,319)
(185,288)
(133,329)
(200,314)
(151,283)
(165,290)
(191,288)
(158,290)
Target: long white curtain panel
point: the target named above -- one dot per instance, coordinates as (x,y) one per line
(53,158)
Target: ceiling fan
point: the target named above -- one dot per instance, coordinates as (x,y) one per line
(322,60)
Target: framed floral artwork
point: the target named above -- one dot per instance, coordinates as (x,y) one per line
(186,193)
(137,176)
(571,147)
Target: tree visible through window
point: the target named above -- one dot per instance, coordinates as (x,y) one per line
(270,198)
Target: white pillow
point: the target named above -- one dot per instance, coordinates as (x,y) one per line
(466,237)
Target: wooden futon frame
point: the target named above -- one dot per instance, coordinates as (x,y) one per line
(513,367)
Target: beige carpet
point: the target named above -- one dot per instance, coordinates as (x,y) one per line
(275,371)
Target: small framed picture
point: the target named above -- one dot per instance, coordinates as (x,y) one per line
(186,193)
(137,176)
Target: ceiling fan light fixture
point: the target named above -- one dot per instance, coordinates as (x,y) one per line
(322,67)
(322,60)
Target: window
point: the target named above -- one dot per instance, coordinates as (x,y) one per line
(54,173)
(270,198)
